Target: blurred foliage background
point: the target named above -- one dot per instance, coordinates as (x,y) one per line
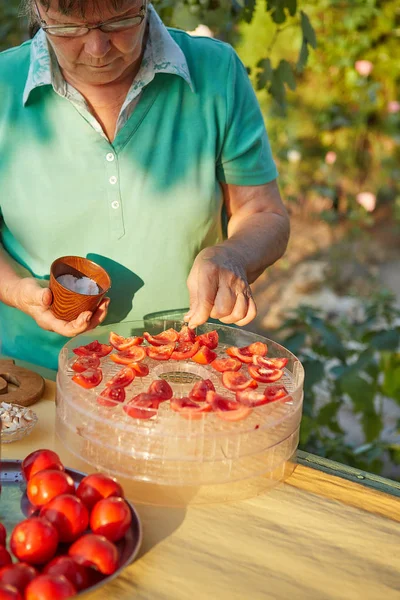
(327,76)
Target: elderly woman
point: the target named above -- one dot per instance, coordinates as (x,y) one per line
(122,140)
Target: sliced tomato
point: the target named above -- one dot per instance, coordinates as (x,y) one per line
(209,339)
(226,408)
(188,408)
(246,353)
(89,378)
(251,398)
(85,362)
(142,406)
(199,391)
(123,378)
(141,369)
(237,381)
(226,364)
(161,389)
(276,392)
(93,348)
(169,336)
(185,350)
(110,396)
(186,334)
(133,354)
(121,343)
(265,375)
(204,356)
(270,363)
(160,352)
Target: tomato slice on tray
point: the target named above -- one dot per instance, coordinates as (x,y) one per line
(226,408)
(185,350)
(186,334)
(169,336)
(271,394)
(237,381)
(85,362)
(161,389)
(133,354)
(123,378)
(246,353)
(160,352)
(199,391)
(265,375)
(141,369)
(270,363)
(226,364)
(142,406)
(209,339)
(204,356)
(93,348)
(277,392)
(111,396)
(121,343)
(188,408)
(89,378)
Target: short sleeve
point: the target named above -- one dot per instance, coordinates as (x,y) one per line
(246,157)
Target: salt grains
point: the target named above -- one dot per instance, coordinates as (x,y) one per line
(81,285)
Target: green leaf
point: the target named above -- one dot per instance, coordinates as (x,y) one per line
(361,392)
(308,30)
(306,429)
(249,10)
(386,339)
(295,342)
(391,383)
(287,75)
(277,88)
(331,340)
(314,372)
(265,73)
(372,425)
(292,7)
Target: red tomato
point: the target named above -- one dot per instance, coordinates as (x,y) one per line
(69,516)
(209,339)
(96,551)
(226,364)
(142,406)
(170,336)
(39,460)
(111,396)
(93,348)
(185,350)
(17,575)
(95,487)
(141,369)
(276,392)
(161,389)
(251,398)
(3,535)
(204,356)
(265,375)
(120,343)
(160,352)
(67,566)
(133,354)
(270,363)
(46,485)
(9,592)
(50,587)
(34,541)
(199,390)
(188,408)
(227,409)
(237,381)
(5,558)
(186,334)
(246,353)
(111,517)
(85,362)
(89,378)
(123,378)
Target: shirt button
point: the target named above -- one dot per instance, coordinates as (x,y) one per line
(115,204)
(113,180)
(110,157)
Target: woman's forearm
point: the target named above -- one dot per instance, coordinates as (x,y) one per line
(11,273)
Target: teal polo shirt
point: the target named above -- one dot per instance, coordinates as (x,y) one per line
(143,206)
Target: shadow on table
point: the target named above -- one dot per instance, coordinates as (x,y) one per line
(159,523)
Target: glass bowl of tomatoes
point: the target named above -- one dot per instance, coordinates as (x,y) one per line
(169,407)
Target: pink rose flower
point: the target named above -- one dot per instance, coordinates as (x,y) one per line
(363,67)
(366,200)
(393,107)
(330,157)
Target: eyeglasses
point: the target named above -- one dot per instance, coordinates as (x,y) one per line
(73,31)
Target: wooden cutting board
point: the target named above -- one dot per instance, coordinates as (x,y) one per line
(19,385)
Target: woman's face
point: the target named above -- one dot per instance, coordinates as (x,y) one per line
(97,58)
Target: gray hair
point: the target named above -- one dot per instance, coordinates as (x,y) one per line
(66,7)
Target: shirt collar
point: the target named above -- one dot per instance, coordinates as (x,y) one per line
(162,55)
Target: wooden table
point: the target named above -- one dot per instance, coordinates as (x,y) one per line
(319,536)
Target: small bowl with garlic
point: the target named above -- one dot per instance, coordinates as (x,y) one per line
(16,422)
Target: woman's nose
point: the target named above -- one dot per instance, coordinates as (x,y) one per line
(97,43)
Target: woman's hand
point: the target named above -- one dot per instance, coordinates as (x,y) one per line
(218,288)
(35,301)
